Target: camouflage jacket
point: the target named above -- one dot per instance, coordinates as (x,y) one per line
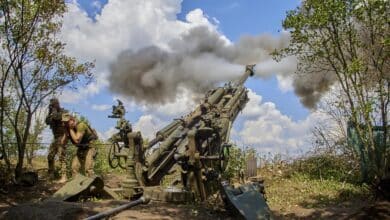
(53,119)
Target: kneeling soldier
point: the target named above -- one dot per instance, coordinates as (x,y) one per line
(82,136)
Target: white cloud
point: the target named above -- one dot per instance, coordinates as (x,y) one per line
(268,130)
(148,125)
(253,107)
(285,83)
(76,96)
(96,4)
(101,107)
(196,16)
(105,135)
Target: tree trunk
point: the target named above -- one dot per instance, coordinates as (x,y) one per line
(22,141)
(30,155)
(19,165)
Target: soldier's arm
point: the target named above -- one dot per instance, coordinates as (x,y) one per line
(76,135)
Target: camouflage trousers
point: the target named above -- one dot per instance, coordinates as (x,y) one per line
(83,162)
(58,146)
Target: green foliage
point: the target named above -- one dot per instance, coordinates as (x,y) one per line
(101,161)
(344,42)
(237,160)
(326,167)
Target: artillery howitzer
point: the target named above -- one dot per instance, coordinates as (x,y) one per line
(196,144)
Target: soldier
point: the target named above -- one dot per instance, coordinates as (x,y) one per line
(58,145)
(82,136)
(118,111)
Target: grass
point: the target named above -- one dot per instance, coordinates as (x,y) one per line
(288,189)
(299,190)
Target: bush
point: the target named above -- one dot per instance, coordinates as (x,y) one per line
(326,167)
(237,160)
(101,159)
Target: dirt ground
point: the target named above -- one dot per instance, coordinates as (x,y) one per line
(16,203)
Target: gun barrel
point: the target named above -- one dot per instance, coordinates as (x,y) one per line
(165,132)
(248,72)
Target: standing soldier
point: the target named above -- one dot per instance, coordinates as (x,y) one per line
(54,120)
(82,136)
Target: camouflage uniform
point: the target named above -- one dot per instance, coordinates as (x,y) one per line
(60,138)
(84,159)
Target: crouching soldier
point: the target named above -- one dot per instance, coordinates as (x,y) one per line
(60,139)
(83,137)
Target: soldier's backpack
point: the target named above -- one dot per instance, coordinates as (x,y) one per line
(94,135)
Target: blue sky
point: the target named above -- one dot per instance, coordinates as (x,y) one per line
(232,19)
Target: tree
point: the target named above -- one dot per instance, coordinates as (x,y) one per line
(33,64)
(34,140)
(330,134)
(347,42)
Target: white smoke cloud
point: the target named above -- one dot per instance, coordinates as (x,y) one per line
(268,67)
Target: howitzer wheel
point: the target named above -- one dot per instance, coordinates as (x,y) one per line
(223,157)
(122,162)
(113,159)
